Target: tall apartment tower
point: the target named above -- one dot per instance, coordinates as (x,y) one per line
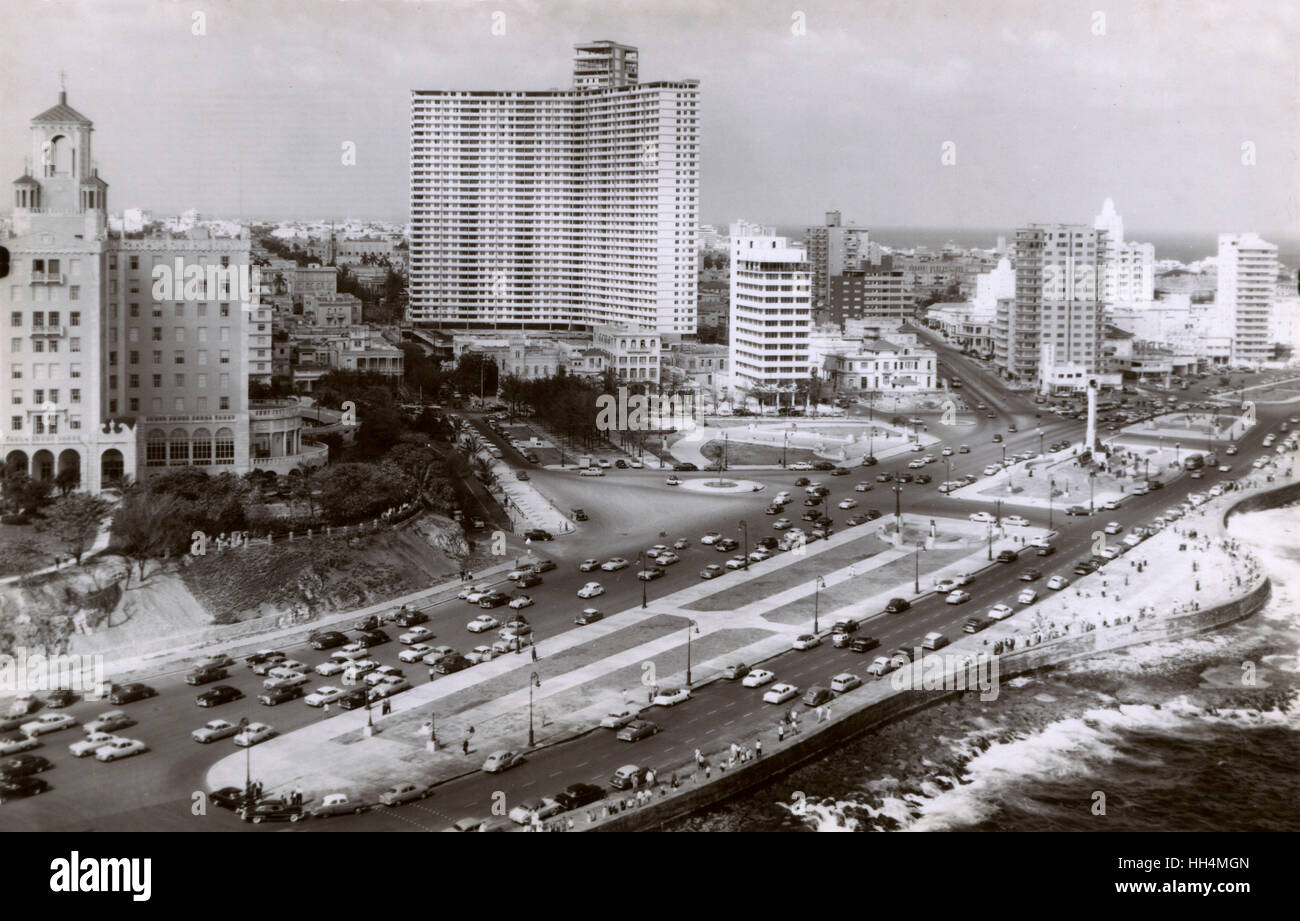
(1054,325)
(1130,273)
(557,208)
(833,249)
(106,379)
(771,309)
(1243,302)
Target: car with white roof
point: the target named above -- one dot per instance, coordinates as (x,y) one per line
(326,694)
(213,731)
(482,624)
(758,677)
(93,742)
(780,693)
(119,749)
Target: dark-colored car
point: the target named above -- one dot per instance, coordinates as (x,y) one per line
(685,467)
(528,580)
(823,466)
(654,572)
(1031,575)
(494,600)
(373,638)
(1078,510)
(452,663)
(637,730)
(1084,567)
(129,693)
(802,481)
(767,543)
(588,617)
(20,787)
(1046,551)
(897,605)
(543,566)
(273,697)
(327,639)
(537,534)
(60,697)
(976,624)
(578,514)
(904,477)
(810,515)
(840,471)
(228,798)
(1006,556)
(370,623)
(811,501)
(577,795)
(725,544)
(1157,484)
(923,478)
(822,491)
(261,658)
(872,514)
(221,694)
(736,671)
(353,699)
(271,810)
(206,675)
(864,644)
(410,618)
(817,695)
(23,765)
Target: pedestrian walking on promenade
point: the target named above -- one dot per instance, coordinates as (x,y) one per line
(758,748)
(464,746)
(532,648)
(780,732)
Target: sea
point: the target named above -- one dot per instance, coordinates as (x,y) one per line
(1185,247)
(1168,733)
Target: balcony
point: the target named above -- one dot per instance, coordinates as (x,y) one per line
(312,455)
(48,278)
(49,331)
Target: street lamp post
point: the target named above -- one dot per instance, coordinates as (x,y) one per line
(533,682)
(689,625)
(898,510)
(817,588)
(1177,445)
(916,587)
(1092,479)
(947,469)
(785,446)
(1051,488)
(744,530)
(640,567)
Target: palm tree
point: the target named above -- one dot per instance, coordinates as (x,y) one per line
(483,471)
(302,488)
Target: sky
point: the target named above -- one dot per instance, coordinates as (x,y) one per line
(806,106)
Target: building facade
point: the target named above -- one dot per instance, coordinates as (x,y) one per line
(1244,300)
(834,248)
(557,208)
(771,309)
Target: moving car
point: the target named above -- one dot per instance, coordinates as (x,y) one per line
(93,742)
(252,734)
(780,693)
(957,596)
(613,564)
(327,694)
(637,730)
(617,720)
(898,605)
(1016,521)
(671,697)
(934,640)
(49,722)
(21,787)
(881,665)
(271,810)
(1030,575)
(482,624)
(326,640)
(273,697)
(415,635)
(816,696)
(519,602)
(502,760)
(758,677)
(1056,583)
(336,804)
(24,766)
(735,671)
(845,682)
(113,720)
(976,624)
(119,749)
(405,792)
(214,730)
(18,742)
(1027,596)
(806,641)
(864,644)
(538,809)
(591,590)
(129,693)
(588,616)
(1113,527)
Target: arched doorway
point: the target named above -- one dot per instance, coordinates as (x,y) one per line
(17,462)
(70,468)
(178,447)
(42,466)
(111,468)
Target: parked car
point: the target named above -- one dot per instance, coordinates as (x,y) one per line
(336,804)
(588,616)
(271,810)
(637,730)
(405,792)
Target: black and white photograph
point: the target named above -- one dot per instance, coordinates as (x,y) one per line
(688,416)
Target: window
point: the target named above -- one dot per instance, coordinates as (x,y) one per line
(74,423)
(225,382)
(225,355)
(179,358)
(16,344)
(38,319)
(74,344)
(38,397)
(201,447)
(16,397)
(156,447)
(134,403)
(133,381)
(112,406)
(155,405)
(135,358)
(135,310)
(74,369)
(203,356)
(54,396)
(16,423)
(225,310)
(203,382)
(74,318)
(180,334)
(180,311)
(203,404)
(179,404)
(76,395)
(225,403)
(16,372)
(225,446)
(54,345)
(157,380)
(203,334)
(180,380)
(16,318)
(112,382)
(156,334)
(225,334)
(157,357)
(38,425)
(74,292)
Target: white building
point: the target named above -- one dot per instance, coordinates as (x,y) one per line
(1244,299)
(633,351)
(771,309)
(1129,276)
(882,366)
(554,208)
(992,286)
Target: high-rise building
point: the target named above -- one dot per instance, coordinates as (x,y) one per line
(833,249)
(871,291)
(1244,299)
(557,208)
(771,309)
(1130,273)
(129,352)
(1051,332)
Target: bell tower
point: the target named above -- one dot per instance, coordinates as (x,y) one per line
(61,177)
